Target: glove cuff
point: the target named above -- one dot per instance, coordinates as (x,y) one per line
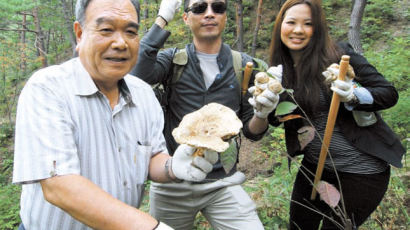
(166,14)
(168,166)
(166,22)
(260,114)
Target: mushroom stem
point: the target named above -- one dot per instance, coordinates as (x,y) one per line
(199,152)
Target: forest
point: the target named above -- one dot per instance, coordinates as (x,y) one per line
(39,33)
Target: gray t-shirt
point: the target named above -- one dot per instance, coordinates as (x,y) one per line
(209,67)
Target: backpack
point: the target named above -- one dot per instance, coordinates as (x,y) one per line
(179,61)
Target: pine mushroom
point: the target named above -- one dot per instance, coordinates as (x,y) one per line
(265,82)
(275,86)
(208,128)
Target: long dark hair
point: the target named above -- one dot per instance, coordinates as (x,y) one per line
(306,78)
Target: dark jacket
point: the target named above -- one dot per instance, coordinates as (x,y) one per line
(378,139)
(189,93)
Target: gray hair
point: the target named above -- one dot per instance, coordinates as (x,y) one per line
(81,7)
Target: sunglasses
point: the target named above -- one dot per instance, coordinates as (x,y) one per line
(200,7)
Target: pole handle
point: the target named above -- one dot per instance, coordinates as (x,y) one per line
(246,77)
(331,119)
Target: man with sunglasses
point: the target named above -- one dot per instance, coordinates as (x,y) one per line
(208,76)
(88,134)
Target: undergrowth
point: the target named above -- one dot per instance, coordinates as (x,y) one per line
(383,48)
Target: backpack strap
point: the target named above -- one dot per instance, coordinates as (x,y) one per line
(180,60)
(237,65)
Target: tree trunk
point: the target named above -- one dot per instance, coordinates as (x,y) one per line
(281,2)
(145,15)
(239,25)
(258,22)
(68,23)
(354,27)
(39,38)
(23,62)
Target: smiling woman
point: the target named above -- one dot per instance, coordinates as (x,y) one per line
(297,29)
(360,155)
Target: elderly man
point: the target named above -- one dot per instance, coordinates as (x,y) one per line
(88,135)
(208,75)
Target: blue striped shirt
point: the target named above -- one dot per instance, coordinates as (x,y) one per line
(65,125)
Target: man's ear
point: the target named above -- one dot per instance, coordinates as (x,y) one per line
(185,18)
(78,31)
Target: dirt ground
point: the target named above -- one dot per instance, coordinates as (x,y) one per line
(253,160)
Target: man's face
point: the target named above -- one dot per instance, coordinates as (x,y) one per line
(206,24)
(108,41)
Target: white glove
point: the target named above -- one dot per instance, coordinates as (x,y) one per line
(264,103)
(190,168)
(168,8)
(343,88)
(211,156)
(162,226)
(276,72)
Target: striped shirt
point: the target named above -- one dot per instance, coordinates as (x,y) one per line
(66,126)
(345,156)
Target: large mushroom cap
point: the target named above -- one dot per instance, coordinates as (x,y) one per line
(208,127)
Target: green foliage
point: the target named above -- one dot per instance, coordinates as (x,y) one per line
(393,64)
(9,206)
(338,25)
(9,194)
(377,14)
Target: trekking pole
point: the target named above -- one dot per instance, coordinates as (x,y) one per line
(331,119)
(246,76)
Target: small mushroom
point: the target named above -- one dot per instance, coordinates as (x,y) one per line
(275,86)
(264,82)
(208,128)
(261,78)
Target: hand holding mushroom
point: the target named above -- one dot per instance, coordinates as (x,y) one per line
(343,88)
(266,91)
(186,166)
(208,130)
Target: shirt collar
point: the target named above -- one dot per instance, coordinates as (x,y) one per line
(85,85)
(125,91)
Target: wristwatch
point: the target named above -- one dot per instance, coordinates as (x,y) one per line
(354,102)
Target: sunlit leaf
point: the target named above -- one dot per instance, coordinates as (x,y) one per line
(261,64)
(328,193)
(289,117)
(285,107)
